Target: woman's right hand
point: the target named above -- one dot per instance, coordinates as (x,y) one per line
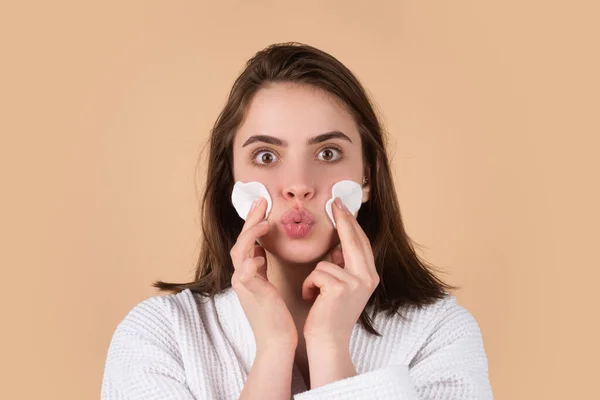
(267,313)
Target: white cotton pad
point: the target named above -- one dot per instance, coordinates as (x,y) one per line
(244,194)
(351,194)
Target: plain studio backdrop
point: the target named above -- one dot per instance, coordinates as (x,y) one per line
(493,112)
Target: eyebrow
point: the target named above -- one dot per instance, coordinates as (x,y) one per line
(279,142)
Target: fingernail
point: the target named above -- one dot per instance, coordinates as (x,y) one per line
(342,206)
(255,204)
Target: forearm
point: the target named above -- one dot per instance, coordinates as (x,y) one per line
(270,376)
(329,363)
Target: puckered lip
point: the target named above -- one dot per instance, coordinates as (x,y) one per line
(295,215)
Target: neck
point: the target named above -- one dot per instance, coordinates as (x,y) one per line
(288,278)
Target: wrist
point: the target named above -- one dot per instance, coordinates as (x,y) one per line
(323,343)
(278,350)
(329,362)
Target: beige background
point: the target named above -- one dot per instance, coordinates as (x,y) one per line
(493,109)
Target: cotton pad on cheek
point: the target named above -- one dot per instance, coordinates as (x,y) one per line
(351,194)
(244,194)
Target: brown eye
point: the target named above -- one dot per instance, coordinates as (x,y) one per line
(329,154)
(267,158)
(264,158)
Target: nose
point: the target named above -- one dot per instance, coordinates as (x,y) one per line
(299,192)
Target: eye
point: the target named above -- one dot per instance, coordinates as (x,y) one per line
(265,159)
(329,154)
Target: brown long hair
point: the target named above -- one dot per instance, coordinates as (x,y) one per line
(405,279)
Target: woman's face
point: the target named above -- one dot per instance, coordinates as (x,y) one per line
(298,141)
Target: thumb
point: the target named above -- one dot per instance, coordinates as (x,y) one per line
(259,251)
(337,256)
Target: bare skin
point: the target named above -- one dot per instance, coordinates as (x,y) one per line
(297,175)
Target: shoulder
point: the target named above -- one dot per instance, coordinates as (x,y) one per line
(157,314)
(145,356)
(454,318)
(435,325)
(451,351)
(426,319)
(147,340)
(443,347)
(416,332)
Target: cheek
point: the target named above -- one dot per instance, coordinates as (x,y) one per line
(245,172)
(242,168)
(268,181)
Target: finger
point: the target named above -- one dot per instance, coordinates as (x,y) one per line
(244,247)
(259,251)
(357,229)
(334,270)
(320,282)
(327,256)
(367,250)
(242,271)
(337,256)
(249,269)
(352,247)
(256,285)
(247,278)
(250,237)
(255,215)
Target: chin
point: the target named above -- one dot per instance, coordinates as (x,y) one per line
(298,254)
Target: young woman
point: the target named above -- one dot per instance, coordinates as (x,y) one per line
(285,304)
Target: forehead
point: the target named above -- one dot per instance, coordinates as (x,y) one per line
(295,112)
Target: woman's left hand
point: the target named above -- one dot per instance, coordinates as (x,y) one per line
(342,287)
